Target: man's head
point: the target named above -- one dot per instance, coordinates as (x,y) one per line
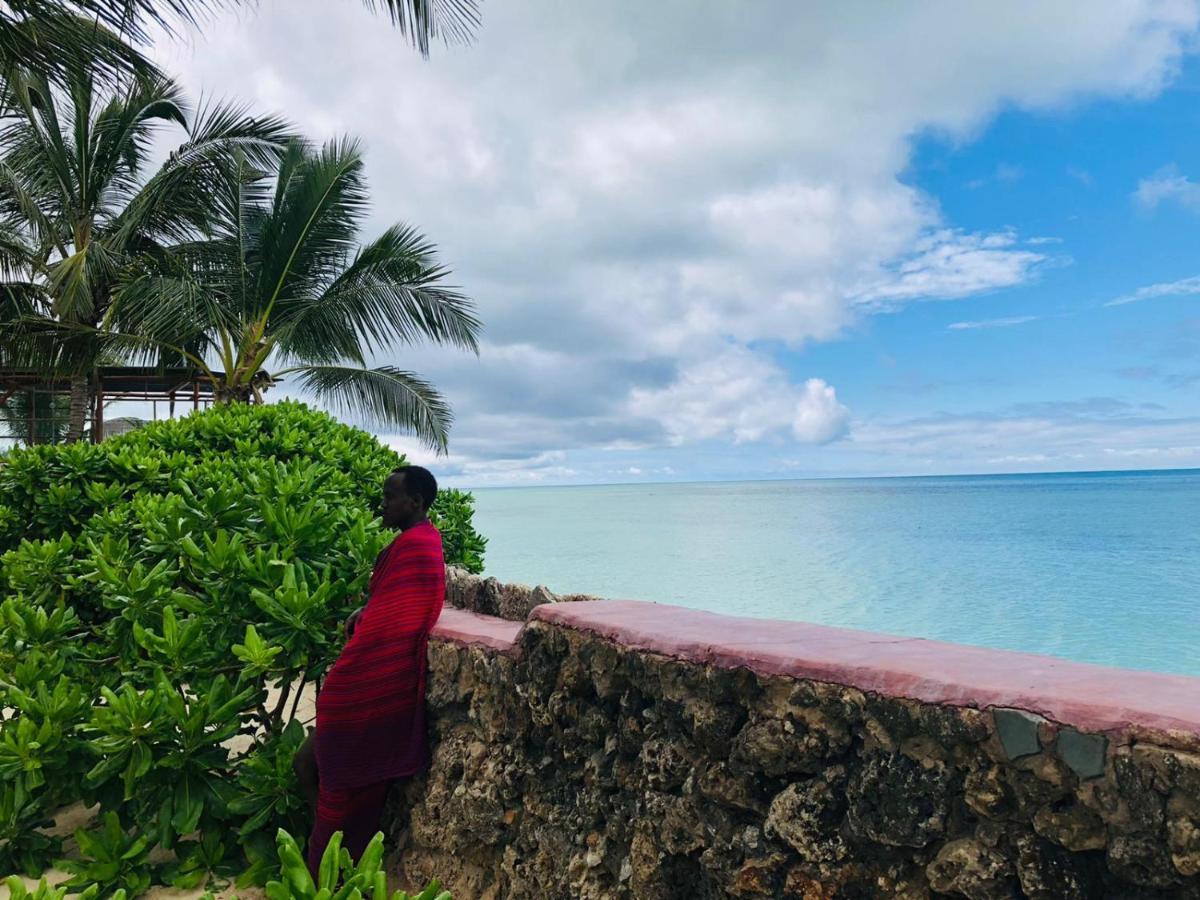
(407,495)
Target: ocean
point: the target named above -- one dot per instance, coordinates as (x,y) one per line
(1097,567)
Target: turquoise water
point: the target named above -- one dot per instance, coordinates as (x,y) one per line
(1097,567)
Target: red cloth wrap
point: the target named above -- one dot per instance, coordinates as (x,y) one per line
(356,813)
(371,709)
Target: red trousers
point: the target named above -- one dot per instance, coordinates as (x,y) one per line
(355,812)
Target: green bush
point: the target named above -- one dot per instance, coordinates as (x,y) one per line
(338,878)
(164,598)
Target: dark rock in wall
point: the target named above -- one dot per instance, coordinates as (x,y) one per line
(972,869)
(1142,860)
(1071,825)
(898,801)
(1047,871)
(807,817)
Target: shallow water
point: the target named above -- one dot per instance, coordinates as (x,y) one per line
(1097,567)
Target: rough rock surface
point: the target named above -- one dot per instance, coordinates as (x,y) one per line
(574,767)
(492,598)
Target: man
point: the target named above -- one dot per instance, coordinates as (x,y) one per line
(371,709)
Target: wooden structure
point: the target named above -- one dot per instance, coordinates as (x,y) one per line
(109,383)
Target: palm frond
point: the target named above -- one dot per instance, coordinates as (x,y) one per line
(454,21)
(382,396)
(80,283)
(33,146)
(130,18)
(121,137)
(390,293)
(221,128)
(57,37)
(46,346)
(21,210)
(20,300)
(320,200)
(66,348)
(228,150)
(179,311)
(16,257)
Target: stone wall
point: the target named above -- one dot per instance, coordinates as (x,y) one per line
(491,597)
(618,749)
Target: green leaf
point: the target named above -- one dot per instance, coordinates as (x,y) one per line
(370,863)
(189,806)
(327,873)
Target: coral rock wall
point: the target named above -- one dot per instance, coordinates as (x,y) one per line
(575,760)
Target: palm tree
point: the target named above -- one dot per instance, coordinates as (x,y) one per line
(53,36)
(284,285)
(77,215)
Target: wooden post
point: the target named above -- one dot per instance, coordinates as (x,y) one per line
(30,421)
(98,418)
(195,392)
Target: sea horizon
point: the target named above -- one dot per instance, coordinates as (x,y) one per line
(1055,472)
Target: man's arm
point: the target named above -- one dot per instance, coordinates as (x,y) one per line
(352,621)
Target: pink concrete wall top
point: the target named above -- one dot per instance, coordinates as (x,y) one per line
(1091,698)
(465,627)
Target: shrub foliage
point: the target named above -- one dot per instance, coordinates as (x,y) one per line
(165,597)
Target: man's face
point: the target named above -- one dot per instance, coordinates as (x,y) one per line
(399,507)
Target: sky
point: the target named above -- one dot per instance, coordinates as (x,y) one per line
(711,241)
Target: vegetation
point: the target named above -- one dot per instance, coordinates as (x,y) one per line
(279,280)
(36,417)
(238,253)
(53,36)
(43,890)
(80,217)
(165,597)
(338,878)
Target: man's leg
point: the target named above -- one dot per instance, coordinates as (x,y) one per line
(366,817)
(304,763)
(357,813)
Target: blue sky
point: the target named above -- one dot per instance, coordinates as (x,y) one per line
(1070,177)
(837,239)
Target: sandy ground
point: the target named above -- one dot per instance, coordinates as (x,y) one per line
(70,818)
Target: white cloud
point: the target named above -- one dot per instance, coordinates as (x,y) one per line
(541,468)
(1187,453)
(1086,433)
(992,323)
(949,265)
(1165,186)
(1180,288)
(741,396)
(635,192)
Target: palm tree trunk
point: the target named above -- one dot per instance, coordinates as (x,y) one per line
(80,395)
(226,393)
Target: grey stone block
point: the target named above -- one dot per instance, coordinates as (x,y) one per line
(1018,731)
(1084,753)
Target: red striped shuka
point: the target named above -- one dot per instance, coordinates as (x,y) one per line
(371,709)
